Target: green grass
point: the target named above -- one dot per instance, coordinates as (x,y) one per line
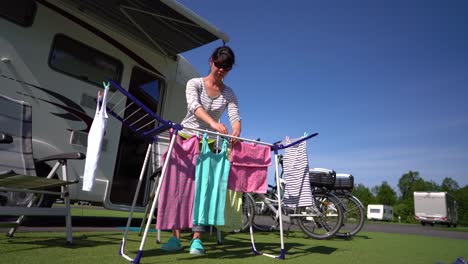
(459,228)
(102,247)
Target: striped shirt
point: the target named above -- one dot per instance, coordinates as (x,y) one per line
(214,106)
(297,192)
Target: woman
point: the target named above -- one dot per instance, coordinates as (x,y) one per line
(207,99)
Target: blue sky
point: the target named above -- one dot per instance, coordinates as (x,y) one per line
(384,83)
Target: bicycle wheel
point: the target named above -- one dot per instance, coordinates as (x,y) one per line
(248,211)
(324,220)
(353,218)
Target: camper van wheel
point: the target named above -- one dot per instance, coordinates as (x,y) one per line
(423,224)
(42,170)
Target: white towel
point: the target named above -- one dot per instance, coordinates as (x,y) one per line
(95,137)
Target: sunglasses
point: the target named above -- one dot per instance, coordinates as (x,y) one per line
(222,65)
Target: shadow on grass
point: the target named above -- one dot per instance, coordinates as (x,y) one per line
(233,250)
(234,246)
(79,241)
(360,236)
(335,238)
(240,247)
(322,250)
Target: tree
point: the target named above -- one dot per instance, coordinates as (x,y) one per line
(405,210)
(461,196)
(432,186)
(449,185)
(420,185)
(385,194)
(407,183)
(363,194)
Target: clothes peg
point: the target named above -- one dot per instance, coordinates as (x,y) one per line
(106,85)
(255,143)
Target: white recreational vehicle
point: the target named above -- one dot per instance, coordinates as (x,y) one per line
(55,54)
(379,212)
(435,208)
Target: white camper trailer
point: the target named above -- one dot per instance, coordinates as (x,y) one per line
(55,54)
(435,208)
(379,212)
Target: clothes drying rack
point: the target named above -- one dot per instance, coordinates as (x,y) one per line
(150,132)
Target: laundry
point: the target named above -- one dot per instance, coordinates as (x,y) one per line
(210,185)
(95,138)
(175,204)
(249,167)
(232,212)
(297,192)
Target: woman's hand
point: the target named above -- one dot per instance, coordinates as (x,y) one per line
(236,130)
(203,115)
(219,127)
(235,134)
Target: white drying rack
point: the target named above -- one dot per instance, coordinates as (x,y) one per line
(147,130)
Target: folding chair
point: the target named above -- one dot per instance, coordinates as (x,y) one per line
(21,191)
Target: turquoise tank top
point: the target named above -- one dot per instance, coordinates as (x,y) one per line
(211,178)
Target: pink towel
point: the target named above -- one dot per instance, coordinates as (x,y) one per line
(249,167)
(175,204)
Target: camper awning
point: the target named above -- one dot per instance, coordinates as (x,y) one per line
(162,25)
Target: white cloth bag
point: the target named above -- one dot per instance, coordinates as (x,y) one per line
(95,137)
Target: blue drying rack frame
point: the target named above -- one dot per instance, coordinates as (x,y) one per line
(164,125)
(151,134)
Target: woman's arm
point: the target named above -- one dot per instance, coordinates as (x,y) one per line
(236,129)
(234,116)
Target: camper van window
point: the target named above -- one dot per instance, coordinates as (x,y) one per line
(149,84)
(83,62)
(20,12)
(375,211)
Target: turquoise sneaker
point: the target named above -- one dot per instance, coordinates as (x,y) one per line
(172,245)
(196,247)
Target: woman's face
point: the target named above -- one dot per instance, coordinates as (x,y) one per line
(219,70)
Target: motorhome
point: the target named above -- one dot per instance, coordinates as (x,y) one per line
(379,212)
(55,54)
(435,208)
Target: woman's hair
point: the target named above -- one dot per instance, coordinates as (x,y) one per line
(224,56)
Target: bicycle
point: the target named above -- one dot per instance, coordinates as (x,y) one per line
(321,221)
(354,211)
